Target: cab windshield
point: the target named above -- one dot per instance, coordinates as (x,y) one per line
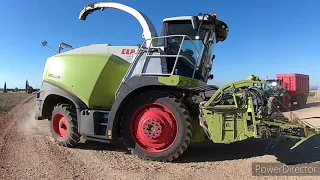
(192,48)
(272,84)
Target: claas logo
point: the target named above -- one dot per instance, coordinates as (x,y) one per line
(128,51)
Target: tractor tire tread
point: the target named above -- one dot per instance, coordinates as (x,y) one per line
(74,137)
(188,125)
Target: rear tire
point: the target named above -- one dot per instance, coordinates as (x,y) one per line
(156,126)
(272,105)
(64,126)
(302,100)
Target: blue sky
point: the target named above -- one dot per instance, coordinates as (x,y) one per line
(266,37)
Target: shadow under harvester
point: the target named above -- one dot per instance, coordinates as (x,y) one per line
(211,152)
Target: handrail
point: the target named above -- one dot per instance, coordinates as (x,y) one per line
(177,56)
(182,56)
(168,36)
(144,48)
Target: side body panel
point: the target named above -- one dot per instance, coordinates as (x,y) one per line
(127,53)
(94,79)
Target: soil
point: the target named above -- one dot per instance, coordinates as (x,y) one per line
(10,99)
(27,151)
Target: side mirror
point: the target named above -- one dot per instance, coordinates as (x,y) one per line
(195,22)
(210,76)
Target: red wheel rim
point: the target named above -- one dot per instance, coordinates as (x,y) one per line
(154,127)
(60,125)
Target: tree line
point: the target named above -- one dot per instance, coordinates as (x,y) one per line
(29,89)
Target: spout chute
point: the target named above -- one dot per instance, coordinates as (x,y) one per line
(149,30)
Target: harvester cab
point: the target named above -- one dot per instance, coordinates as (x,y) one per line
(153,96)
(184,46)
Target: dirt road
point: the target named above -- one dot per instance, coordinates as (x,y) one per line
(28,152)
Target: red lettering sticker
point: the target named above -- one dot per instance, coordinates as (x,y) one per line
(128,51)
(132,51)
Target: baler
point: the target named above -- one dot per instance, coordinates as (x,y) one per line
(155,95)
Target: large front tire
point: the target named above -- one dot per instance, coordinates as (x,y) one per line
(64,126)
(302,101)
(156,126)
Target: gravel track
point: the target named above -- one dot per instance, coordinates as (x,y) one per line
(27,151)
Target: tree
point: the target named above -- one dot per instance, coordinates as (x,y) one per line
(5,87)
(27,84)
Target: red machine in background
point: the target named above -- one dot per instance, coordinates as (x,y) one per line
(297,85)
(288,89)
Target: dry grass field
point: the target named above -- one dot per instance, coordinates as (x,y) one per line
(10,99)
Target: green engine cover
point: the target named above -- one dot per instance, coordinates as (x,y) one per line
(94,79)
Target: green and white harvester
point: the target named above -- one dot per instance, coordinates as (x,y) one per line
(155,95)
